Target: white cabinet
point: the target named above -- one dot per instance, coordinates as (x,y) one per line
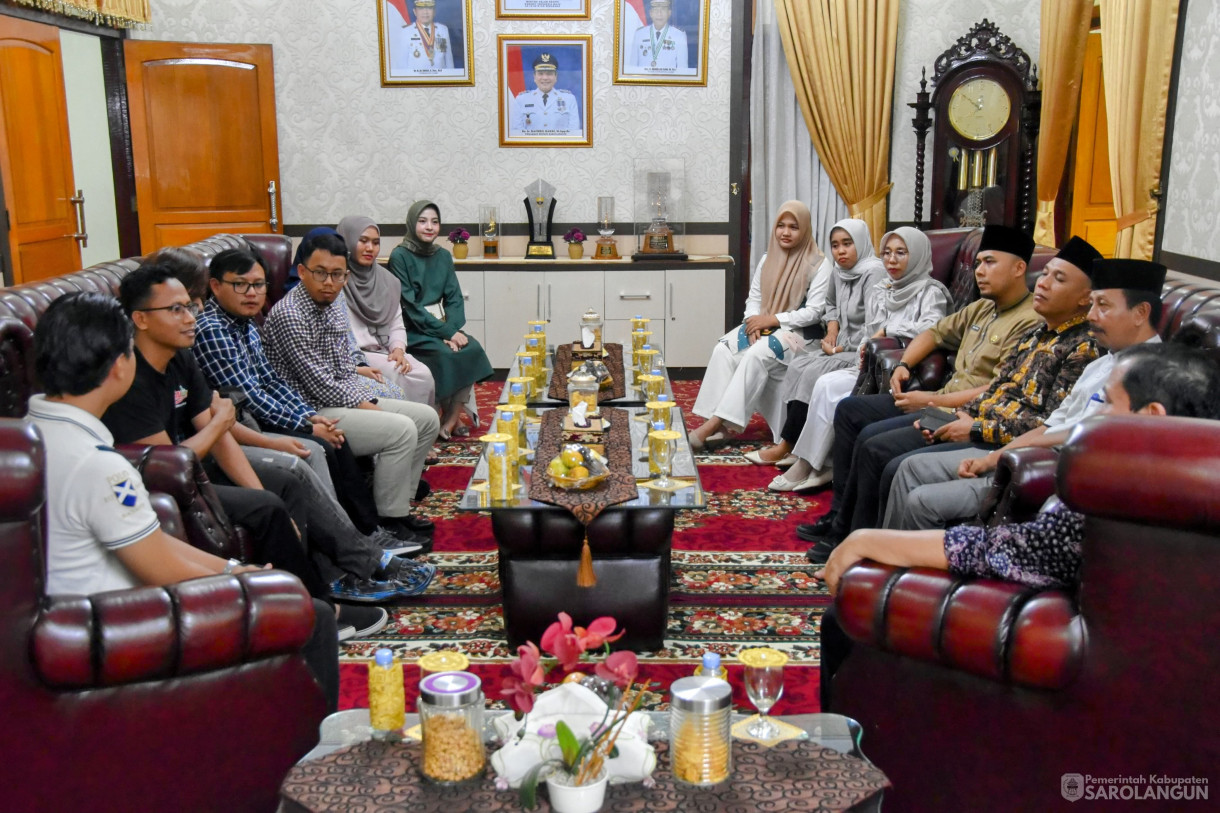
(471,283)
(686,307)
(694,315)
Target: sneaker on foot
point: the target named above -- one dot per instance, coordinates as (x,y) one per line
(358,622)
(412,578)
(413,522)
(405,535)
(398,547)
(365,591)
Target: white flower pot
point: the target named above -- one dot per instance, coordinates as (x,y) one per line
(568,798)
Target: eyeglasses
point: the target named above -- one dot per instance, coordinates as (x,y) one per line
(897,253)
(177,309)
(242,287)
(321,275)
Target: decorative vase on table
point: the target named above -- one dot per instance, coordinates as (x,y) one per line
(576,251)
(461,250)
(569,798)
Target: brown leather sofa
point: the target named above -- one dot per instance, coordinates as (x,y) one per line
(192,697)
(977,694)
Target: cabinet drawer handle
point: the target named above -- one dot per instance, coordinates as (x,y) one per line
(671,302)
(466,297)
(635,296)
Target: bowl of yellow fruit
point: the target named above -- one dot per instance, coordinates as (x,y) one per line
(576,468)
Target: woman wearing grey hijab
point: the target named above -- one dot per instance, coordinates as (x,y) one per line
(375,312)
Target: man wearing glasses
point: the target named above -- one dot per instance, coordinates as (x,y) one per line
(310,345)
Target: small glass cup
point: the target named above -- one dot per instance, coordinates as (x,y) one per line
(527,365)
(639,323)
(660,412)
(516,394)
(639,338)
(651,385)
(661,446)
(646,356)
(527,384)
(518,411)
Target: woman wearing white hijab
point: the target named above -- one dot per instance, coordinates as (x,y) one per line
(375,312)
(748,363)
(903,305)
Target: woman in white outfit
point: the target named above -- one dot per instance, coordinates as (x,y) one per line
(786,294)
(903,305)
(375,312)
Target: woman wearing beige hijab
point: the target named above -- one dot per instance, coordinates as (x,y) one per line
(749,362)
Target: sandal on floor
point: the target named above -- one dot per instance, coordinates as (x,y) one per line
(757,459)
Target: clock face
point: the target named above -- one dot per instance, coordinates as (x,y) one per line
(979,109)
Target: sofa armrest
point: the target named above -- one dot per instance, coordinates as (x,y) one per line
(157,633)
(997,630)
(175,470)
(874,373)
(1024,480)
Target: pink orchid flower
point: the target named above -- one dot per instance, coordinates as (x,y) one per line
(599,633)
(619,667)
(528,665)
(518,694)
(560,640)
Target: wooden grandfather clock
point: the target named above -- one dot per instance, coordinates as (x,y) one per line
(983,113)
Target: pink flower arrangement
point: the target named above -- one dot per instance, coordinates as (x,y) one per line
(459,236)
(569,646)
(574,235)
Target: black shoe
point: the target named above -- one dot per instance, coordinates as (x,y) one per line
(812,532)
(412,577)
(409,529)
(422,490)
(819,553)
(358,622)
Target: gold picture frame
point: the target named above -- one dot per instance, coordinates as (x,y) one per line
(435,54)
(542,9)
(661,57)
(533,115)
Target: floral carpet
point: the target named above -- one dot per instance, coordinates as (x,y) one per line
(740,579)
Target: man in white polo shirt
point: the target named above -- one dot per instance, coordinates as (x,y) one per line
(102,533)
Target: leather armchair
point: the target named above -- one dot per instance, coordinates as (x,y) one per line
(191,697)
(978,694)
(539,557)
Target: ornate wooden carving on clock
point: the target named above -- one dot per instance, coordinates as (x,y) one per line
(983,113)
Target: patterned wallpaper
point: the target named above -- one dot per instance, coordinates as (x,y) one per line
(1193,192)
(348,145)
(925,29)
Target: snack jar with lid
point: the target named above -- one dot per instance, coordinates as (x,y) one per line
(451,724)
(700,739)
(582,388)
(591,330)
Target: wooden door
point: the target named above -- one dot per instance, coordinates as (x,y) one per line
(203,140)
(1092,197)
(35,153)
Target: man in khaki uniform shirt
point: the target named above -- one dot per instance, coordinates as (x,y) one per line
(982,334)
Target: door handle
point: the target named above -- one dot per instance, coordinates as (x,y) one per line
(635,297)
(538,302)
(78,206)
(548,301)
(734,189)
(671,302)
(271,195)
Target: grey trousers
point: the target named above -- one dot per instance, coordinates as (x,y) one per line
(400,433)
(336,546)
(927,493)
(316,459)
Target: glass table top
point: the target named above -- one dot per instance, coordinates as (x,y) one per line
(634,396)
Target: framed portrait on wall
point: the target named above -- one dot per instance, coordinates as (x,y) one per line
(425,42)
(546,90)
(542,9)
(661,42)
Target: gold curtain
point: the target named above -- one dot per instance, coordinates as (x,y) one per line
(1137,38)
(1065,30)
(841,54)
(112,13)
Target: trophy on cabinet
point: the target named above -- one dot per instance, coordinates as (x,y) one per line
(489,226)
(657,238)
(606,249)
(540,208)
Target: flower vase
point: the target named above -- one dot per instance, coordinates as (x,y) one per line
(576,251)
(568,798)
(460,250)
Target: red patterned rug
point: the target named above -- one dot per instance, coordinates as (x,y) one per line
(740,578)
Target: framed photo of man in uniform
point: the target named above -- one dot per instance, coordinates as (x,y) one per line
(542,9)
(425,42)
(546,90)
(661,42)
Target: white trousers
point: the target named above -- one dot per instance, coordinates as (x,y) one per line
(739,383)
(416,384)
(818,436)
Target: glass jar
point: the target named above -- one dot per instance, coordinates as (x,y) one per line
(591,330)
(582,388)
(451,725)
(700,740)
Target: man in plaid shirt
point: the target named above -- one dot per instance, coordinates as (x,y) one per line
(310,345)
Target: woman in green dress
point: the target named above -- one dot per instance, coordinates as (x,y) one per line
(434,313)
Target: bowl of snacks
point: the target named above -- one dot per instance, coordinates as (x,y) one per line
(576,468)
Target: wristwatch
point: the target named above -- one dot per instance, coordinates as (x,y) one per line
(232,563)
(976,431)
(903,364)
